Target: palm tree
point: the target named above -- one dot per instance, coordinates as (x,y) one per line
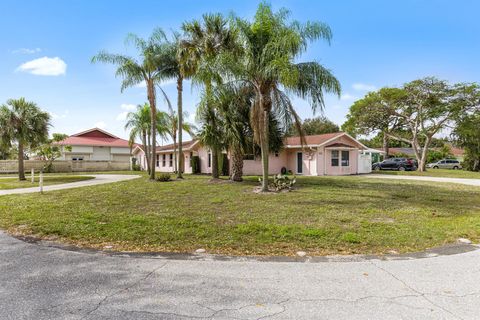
(146,70)
(139,123)
(271,47)
(25,124)
(176,66)
(172,122)
(202,46)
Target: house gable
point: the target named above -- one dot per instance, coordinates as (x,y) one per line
(95,133)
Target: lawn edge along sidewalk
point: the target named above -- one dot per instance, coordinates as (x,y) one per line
(98,180)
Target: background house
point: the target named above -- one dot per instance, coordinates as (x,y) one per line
(96,144)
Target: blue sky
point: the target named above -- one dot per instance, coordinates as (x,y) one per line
(375,44)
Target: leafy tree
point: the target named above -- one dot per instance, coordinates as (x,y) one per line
(414,113)
(467,136)
(23,123)
(51,151)
(146,70)
(431,105)
(374,114)
(271,46)
(318,125)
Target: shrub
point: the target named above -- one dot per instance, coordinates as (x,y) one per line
(136,167)
(281,182)
(195,164)
(163,177)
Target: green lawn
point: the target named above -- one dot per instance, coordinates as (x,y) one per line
(325,215)
(449,173)
(14,183)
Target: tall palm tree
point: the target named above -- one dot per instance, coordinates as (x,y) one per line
(139,122)
(172,122)
(23,123)
(146,70)
(202,45)
(176,66)
(271,47)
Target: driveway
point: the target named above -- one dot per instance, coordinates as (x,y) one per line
(470,182)
(43,282)
(98,179)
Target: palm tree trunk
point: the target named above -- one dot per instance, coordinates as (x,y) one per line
(153,113)
(237,163)
(146,151)
(21,168)
(265,150)
(215,174)
(180,126)
(175,153)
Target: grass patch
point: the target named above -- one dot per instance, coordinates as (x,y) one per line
(14,183)
(325,215)
(447,173)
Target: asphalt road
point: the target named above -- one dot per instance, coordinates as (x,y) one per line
(42,282)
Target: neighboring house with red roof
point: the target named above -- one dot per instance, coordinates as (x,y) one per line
(96,145)
(326,154)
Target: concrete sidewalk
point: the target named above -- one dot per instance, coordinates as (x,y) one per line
(99,179)
(470,182)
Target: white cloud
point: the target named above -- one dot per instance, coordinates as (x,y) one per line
(26,51)
(59,116)
(100,125)
(346,97)
(363,87)
(128,106)
(44,66)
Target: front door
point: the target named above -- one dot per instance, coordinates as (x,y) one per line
(299,162)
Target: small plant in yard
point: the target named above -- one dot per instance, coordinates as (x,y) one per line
(281,182)
(163,177)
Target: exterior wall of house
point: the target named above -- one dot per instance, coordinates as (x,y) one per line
(167,165)
(309,161)
(275,164)
(341,170)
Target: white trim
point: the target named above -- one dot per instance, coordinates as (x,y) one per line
(327,141)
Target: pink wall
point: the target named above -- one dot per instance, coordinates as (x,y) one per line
(275,164)
(340,170)
(309,161)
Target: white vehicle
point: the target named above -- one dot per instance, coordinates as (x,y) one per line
(445,164)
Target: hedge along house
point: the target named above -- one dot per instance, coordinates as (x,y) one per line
(96,145)
(326,154)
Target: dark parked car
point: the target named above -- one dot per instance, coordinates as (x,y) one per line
(400,164)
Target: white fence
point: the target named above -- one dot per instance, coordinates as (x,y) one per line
(11,166)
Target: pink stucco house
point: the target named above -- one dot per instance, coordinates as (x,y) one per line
(326,154)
